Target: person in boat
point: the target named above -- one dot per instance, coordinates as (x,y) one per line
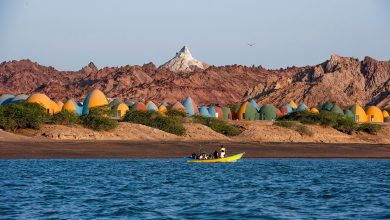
(215,154)
(222,152)
(194,156)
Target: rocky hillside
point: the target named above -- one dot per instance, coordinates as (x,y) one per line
(341,79)
(344,80)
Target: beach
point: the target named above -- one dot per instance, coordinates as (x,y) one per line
(259,140)
(127,149)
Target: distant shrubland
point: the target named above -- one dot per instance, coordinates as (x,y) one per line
(97,120)
(22,115)
(218,125)
(32,115)
(328,119)
(171,123)
(300,128)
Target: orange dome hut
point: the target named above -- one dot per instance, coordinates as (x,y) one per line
(178,106)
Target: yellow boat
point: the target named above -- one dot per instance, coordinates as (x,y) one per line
(233,158)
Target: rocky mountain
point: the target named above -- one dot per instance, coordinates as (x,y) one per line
(344,80)
(183,62)
(341,79)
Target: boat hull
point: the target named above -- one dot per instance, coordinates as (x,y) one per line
(230,159)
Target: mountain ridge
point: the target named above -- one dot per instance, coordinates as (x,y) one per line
(344,80)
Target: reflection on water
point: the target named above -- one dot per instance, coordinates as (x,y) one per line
(172,188)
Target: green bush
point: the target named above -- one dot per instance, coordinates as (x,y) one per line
(97,120)
(346,125)
(22,115)
(327,119)
(175,113)
(285,124)
(65,117)
(369,128)
(171,124)
(301,129)
(219,126)
(8,124)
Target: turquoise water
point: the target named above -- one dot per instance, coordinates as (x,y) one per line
(171,188)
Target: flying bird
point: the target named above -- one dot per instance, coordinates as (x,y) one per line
(251,45)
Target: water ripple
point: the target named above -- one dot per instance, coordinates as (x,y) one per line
(171,188)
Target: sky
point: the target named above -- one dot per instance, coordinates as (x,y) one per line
(68,34)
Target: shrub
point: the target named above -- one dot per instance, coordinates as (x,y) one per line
(369,128)
(329,119)
(219,126)
(175,113)
(65,117)
(22,115)
(301,129)
(285,124)
(97,120)
(8,124)
(170,124)
(345,125)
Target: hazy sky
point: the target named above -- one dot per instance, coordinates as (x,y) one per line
(68,34)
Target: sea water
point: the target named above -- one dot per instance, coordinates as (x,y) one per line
(172,188)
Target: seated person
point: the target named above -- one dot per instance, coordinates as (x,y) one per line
(215,154)
(222,152)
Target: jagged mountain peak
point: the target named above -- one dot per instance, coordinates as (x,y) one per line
(89,68)
(183,62)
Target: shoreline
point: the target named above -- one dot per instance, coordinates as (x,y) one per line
(41,149)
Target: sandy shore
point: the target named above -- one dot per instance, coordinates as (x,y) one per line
(126,149)
(259,140)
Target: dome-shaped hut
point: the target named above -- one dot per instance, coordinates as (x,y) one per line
(42,100)
(359,113)
(95,98)
(150,106)
(374,114)
(267,112)
(72,106)
(190,106)
(247,112)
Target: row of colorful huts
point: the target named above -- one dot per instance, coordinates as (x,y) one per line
(249,110)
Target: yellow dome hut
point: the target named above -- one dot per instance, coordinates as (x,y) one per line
(385,114)
(360,114)
(314,110)
(293,105)
(162,109)
(55,107)
(72,106)
(42,100)
(374,114)
(95,98)
(60,104)
(121,109)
